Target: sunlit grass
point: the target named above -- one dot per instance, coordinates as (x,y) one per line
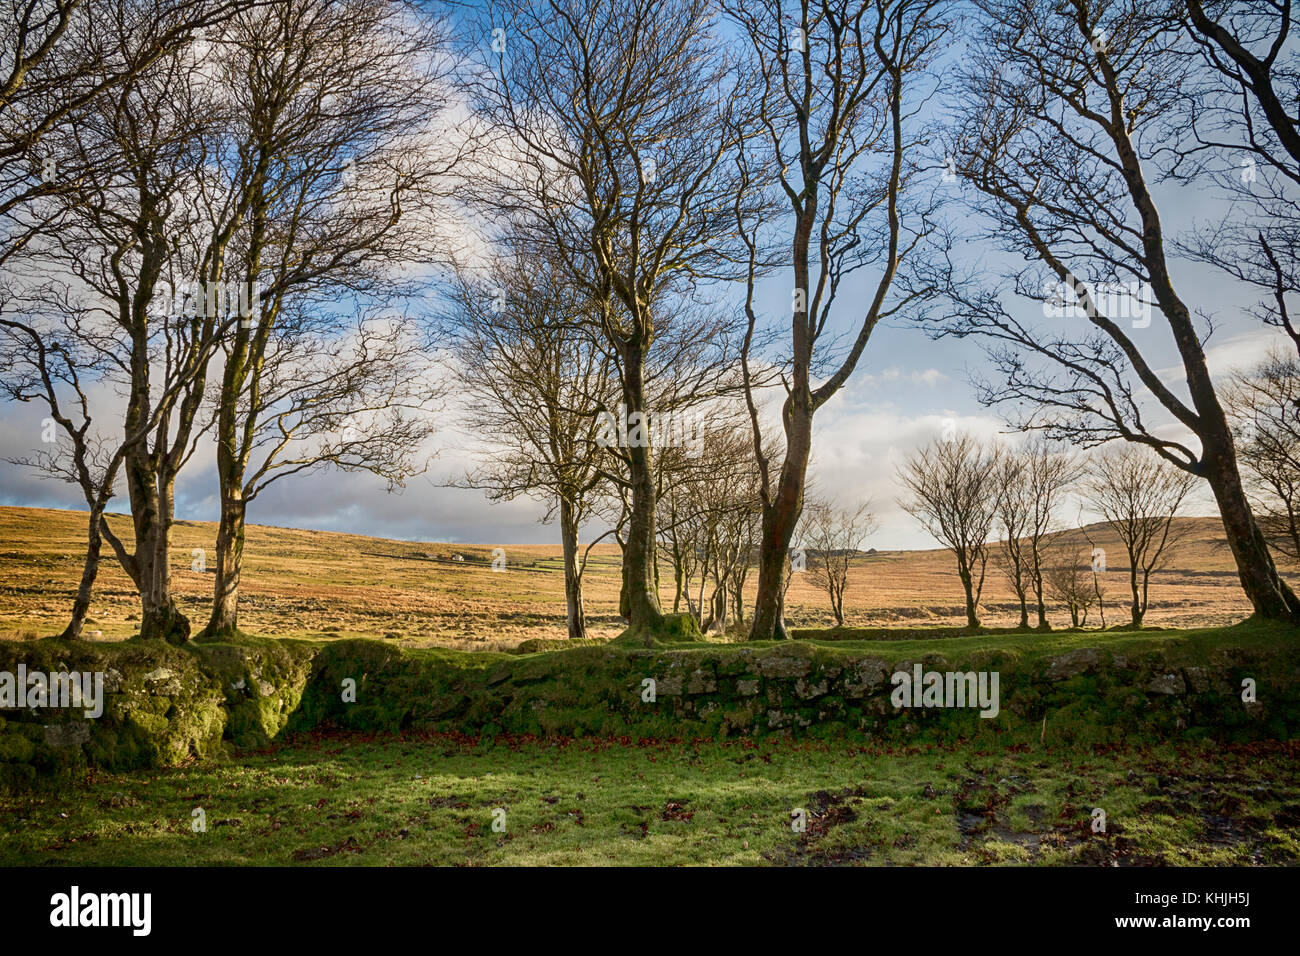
(431,800)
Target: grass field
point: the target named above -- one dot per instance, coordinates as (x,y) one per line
(431,800)
(325,585)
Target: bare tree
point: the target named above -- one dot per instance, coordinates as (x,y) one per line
(1139,496)
(537,376)
(612,125)
(1265,405)
(952,489)
(147,214)
(743,527)
(1014,513)
(1061,112)
(336,184)
(834,537)
(1049,475)
(1069,579)
(839,86)
(60,61)
(708,511)
(676,527)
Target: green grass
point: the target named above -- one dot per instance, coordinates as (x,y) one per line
(937,794)
(1192,644)
(332,800)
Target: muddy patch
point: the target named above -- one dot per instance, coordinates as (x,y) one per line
(825,812)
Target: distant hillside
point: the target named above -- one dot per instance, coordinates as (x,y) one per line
(322,584)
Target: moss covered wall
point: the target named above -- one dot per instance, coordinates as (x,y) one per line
(163,705)
(166,705)
(1087,695)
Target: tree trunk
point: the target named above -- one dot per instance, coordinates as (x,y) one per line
(572,575)
(229,564)
(160,619)
(149,486)
(230,481)
(90,570)
(699,601)
(780,519)
(719,604)
(1038,598)
(640,577)
(1101,603)
(1137,609)
(1270,596)
(624,605)
(972,620)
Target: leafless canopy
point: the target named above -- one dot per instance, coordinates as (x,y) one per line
(833,537)
(1240,109)
(1139,496)
(951,487)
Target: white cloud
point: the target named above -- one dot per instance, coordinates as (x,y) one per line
(1244,350)
(857,453)
(894,374)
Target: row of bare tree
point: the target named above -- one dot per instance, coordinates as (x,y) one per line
(612,170)
(209,207)
(984,501)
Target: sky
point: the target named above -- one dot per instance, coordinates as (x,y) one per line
(899,398)
(904,391)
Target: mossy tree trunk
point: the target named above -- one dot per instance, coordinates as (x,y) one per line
(229,566)
(235,440)
(151,516)
(161,618)
(781,515)
(641,577)
(572,572)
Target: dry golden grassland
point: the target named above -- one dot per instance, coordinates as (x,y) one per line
(326,585)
